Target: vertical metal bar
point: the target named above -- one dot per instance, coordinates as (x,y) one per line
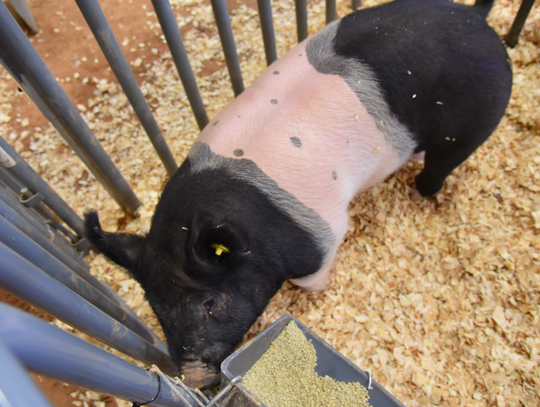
(330,11)
(512,37)
(35,183)
(17,388)
(46,349)
(356,4)
(301,19)
(267,26)
(221,14)
(24,280)
(172,34)
(23,62)
(109,45)
(55,241)
(31,251)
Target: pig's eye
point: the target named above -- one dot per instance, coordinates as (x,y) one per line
(211,303)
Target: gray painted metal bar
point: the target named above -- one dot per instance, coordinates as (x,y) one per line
(173,37)
(20,217)
(31,251)
(17,388)
(356,4)
(109,45)
(14,187)
(31,179)
(330,11)
(9,197)
(59,243)
(221,14)
(82,270)
(24,280)
(38,234)
(23,62)
(512,37)
(33,201)
(22,9)
(267,26)
(9,180)
(47,350)
(301,19)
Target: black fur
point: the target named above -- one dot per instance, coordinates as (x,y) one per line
(444,73)
(483,7)
(195,293)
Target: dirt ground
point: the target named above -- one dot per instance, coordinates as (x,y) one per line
(438,300)
(71,52)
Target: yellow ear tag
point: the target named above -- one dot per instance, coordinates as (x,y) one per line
(219,248)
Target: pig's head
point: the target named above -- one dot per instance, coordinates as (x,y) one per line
(217,251)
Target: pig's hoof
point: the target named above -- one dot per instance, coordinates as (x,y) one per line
(415,196)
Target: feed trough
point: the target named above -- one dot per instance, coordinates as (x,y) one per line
(329,363)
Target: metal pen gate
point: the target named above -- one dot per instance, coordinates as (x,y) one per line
(41,237)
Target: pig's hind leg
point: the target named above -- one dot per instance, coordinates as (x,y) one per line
(451,135)
(441,159)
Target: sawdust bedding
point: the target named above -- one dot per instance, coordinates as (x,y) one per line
(439,300)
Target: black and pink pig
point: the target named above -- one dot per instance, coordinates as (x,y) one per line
(263,195)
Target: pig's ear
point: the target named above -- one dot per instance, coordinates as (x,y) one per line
(214,248)
(122,248)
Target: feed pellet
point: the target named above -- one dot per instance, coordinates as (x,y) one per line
(285,376)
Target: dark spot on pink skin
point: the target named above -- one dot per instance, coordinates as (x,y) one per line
(276,72)
(334,175)
(274,101)
(238,152)
(215,123)
(296,142)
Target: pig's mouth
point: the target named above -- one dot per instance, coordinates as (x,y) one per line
(200,375)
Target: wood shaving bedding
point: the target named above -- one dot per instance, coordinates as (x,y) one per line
(439,300)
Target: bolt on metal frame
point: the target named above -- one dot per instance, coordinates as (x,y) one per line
(31,179)
(28,221)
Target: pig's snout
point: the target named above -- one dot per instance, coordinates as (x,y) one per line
(200,375)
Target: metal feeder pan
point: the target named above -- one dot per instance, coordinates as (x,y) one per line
(329,363)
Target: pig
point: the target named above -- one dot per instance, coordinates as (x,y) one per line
(264,192)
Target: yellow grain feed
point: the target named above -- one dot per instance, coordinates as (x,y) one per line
(285,376)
